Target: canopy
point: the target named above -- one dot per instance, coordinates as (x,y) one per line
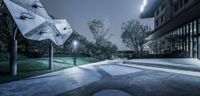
(34,22)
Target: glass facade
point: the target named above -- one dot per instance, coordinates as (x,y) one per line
(185,38)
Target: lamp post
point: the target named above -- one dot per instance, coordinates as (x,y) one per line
(13,54)
(51,56)
(75,43)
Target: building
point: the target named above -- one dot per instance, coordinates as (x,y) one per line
(177,26)
(125,54)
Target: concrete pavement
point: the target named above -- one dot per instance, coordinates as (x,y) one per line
(190,64)
(52,84)
(107,78)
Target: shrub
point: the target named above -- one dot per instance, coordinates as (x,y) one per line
(5,57)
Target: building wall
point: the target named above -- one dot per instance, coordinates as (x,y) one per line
(125,54)
(185,36)
(178,6)
(169,9)
(163,13)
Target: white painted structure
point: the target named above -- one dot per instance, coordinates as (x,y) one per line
(34,22)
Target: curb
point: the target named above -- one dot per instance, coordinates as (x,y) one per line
(182,67)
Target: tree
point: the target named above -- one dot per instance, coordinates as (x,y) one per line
(10,30)
(100,29)
(83,42)
(84,45)
(134,34)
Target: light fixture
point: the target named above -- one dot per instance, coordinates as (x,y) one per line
(42,32)
(143,5)
(75,43)
(26,15)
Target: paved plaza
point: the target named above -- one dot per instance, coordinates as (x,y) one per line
(109,78)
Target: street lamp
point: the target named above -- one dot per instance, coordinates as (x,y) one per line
(75,43)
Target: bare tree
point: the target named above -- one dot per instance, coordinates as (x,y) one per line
(133,35)
(100,30)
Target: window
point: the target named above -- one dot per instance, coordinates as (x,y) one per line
(176,7)
(180,3)
(198,29)
(195,27)
(191,28)
(163,7)
(157,12)
(185,2)
(161,19)
(157,23)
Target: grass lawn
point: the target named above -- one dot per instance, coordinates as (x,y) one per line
(69,60)
(32,67)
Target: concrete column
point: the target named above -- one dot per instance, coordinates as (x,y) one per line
(51,56)
(183,39)
(186,37)
(13,58)
(193,43)
(198,39)
(173,45)
(178,39)
(190,39)
(156,46)
(171,42)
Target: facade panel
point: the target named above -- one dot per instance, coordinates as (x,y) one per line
(177,24)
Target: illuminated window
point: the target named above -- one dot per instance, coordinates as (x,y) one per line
(195,27)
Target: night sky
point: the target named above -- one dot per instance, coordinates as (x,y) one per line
(79,12)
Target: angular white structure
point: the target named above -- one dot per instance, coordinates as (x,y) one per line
(34,22)
(64,30)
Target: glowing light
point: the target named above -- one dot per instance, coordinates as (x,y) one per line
(75,43)
(143,5)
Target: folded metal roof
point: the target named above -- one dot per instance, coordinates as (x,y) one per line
(34,22)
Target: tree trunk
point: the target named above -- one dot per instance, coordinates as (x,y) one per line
(13,58)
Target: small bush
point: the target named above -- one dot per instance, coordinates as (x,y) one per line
(5,57)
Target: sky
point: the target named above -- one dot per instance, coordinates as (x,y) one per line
(79,12)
